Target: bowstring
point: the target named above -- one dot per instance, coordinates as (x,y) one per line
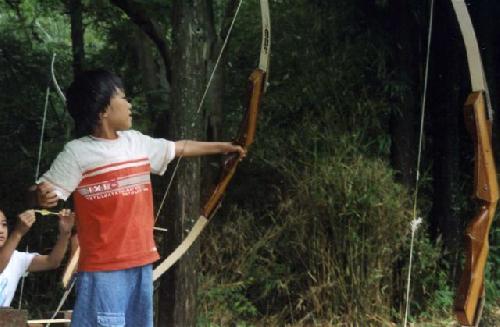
(416,220)
(226,39)
(42,133)
(202,101)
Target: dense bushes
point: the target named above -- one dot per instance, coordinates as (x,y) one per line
(333,248)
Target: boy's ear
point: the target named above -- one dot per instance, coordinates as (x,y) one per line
(104,114)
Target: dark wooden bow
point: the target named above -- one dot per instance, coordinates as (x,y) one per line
(470,292)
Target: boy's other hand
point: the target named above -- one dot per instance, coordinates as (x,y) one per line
(24,221)
(45,195)
(66,221)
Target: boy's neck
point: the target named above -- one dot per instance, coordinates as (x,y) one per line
(105,133)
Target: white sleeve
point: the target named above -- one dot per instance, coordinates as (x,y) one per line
(25,259)
(160,152)
(64,173)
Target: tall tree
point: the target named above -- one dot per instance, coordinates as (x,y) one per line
(178,295)
(77,33)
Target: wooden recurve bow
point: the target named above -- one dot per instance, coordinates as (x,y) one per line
(470,294)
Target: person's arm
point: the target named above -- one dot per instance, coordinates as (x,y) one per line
(188,148)
(53,260)
(24,222)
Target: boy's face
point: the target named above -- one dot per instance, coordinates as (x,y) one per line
(118,114)
(4,232)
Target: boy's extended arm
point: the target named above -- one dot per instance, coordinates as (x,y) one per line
(53,260)
(25,220)
(188,148)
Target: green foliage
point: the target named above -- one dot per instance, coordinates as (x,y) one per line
(24,77)
(230,301)
(431,294)
(325,238)
(327,250)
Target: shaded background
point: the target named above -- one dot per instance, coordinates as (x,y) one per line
(315,226)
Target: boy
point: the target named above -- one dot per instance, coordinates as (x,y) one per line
(14,264)
(108,171)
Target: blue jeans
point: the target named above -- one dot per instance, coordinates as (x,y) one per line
(114,298)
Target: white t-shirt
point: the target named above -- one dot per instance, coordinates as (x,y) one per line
(89,154)
(110,182)
(17,266)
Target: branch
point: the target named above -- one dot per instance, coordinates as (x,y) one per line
(137,15)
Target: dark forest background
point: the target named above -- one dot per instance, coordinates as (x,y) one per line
(315,227)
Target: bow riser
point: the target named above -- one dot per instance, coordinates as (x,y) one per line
(471,287)
(485,182)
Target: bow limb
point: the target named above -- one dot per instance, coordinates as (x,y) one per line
(478,118)
(54,79)
(245,138)
(71,268)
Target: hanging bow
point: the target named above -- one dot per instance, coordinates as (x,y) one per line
(257,85)
(478,118)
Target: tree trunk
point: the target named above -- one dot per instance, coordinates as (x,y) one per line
(77,32)
(177,303)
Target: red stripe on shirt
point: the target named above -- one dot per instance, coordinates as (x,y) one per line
(114,165)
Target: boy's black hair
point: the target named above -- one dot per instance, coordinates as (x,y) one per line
(88,96)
